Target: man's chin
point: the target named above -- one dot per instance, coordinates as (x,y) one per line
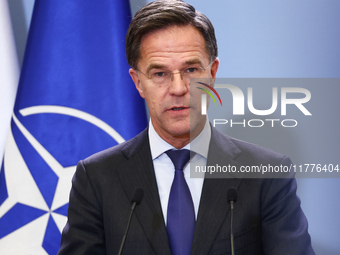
(180,132)
(187,131)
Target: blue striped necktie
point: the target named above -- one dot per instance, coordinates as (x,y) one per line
(181,213)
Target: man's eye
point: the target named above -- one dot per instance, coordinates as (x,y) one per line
(159,74)
(191,70)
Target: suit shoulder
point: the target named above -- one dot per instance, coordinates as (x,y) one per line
(256,149)
(252,152)
(120,152)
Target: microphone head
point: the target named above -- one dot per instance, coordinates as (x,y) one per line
(138,195)
(232,194)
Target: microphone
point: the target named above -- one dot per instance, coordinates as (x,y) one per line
(137,198)
(232,198)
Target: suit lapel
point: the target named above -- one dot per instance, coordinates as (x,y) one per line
(139,172)
(214,206)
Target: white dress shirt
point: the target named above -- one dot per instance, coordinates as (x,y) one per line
(165,170)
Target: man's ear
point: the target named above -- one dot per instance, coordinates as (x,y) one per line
(214,68)
(213,71)
(135,77)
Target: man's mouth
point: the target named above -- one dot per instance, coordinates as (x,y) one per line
(179,109)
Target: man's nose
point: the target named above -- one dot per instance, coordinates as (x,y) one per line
(178,84)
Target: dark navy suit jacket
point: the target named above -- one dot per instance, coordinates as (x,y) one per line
(267,216)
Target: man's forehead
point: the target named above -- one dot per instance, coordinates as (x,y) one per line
(175,40)
(169,29)
(193,61)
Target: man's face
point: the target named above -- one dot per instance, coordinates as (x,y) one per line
(171,50)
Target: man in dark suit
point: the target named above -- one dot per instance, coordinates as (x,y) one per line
(168,43)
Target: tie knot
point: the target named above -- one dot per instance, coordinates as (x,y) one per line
(179,158)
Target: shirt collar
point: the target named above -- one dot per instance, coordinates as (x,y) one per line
(200,145)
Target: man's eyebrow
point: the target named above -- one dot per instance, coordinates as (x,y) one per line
(154,66)
(194,61)
(160,66)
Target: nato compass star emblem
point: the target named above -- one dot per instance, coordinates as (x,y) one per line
(34,189)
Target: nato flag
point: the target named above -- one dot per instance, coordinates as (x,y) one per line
(75,98)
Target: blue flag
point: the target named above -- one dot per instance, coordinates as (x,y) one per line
(75,98)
